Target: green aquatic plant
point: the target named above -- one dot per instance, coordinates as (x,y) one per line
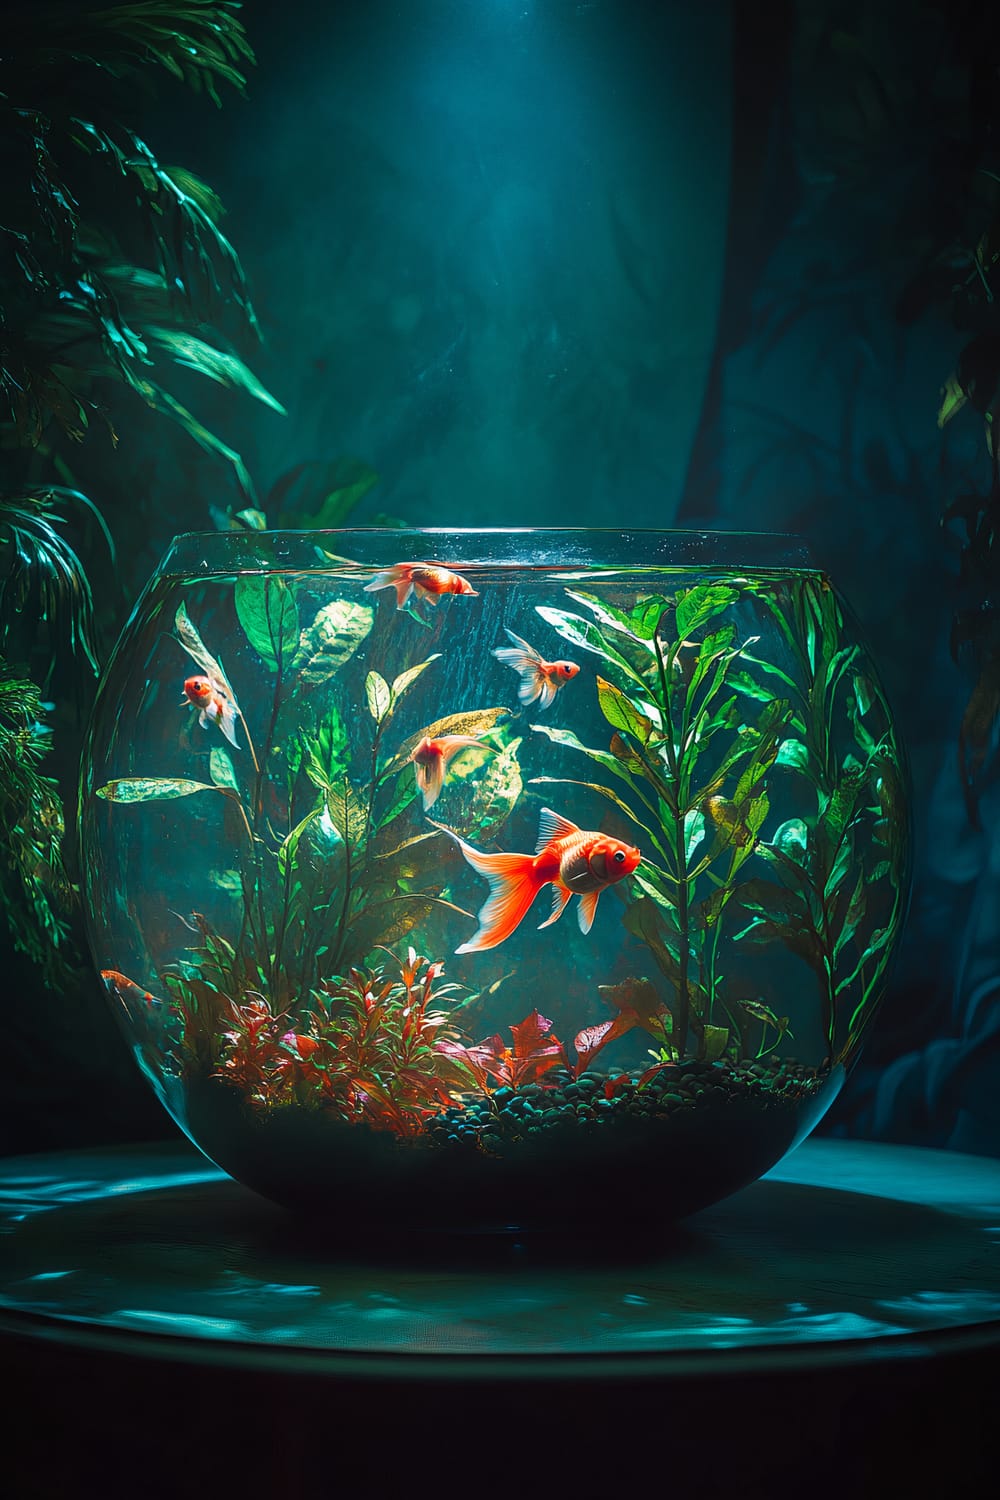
(35,887)
(835,888)
(329,866)
(700,726)
(679,741)
(114,275)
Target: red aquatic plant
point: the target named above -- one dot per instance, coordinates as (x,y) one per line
(250,1056)
(638,1004)
(534,1052)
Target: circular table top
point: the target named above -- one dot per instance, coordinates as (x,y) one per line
(846,1250)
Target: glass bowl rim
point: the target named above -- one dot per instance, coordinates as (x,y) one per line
(198,553)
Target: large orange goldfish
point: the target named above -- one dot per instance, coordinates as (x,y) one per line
(425,580)
(572,860)
(430,761)
(213,702)
(540,679)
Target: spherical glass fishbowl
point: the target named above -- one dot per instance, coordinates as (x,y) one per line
(493,879)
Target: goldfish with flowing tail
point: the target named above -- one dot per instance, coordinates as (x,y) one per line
(419,580)
(574,861)
(214,705)
(540,679)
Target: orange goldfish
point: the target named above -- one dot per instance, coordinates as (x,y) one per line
(213,702)
(425,580)
(430,761)
(539,678)
(572,860)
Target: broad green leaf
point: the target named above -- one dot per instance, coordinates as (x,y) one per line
(621,713)
(326,752)
(630,759)
(696,606)
(288,851)
(379,695)
(643,920)
(152,788)
(331,640)
(195,646)
(793,753)
(217,364)
(841,866)
(852,917)
(655,884)
(792,838)
(840,810)
(488,801)
(583,633)
(604,613)
(645,618)
(220,768)
(714,1042)
(406,792)
(347,814)
(694,831)
(265,606)
(403,681)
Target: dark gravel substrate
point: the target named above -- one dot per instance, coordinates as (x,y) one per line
(556,1156)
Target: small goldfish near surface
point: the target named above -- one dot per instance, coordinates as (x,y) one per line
(540,679)
(213,703)
(420,581)
(574,861)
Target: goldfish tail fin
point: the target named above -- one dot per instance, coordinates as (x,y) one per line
(532,684)
(586,909)
(560,895)
(392,578)
(513,887)
(430,780)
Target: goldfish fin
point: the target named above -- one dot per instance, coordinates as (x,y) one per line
(513,887)
(586,910)
(560,895)
(227,722)
(552,826)
(546,691)
(526,661)
(430,780)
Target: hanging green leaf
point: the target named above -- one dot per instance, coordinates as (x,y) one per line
(379,695)
(698,605)
(220,768)
(326,752)
(621,713)
(405,679)
(289,848)
(793,753)
(152,788)
(331,640)
(217,364)
(713,1043)
(645,618)
(265,606)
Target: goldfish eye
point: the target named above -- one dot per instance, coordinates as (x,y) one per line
(619,856)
